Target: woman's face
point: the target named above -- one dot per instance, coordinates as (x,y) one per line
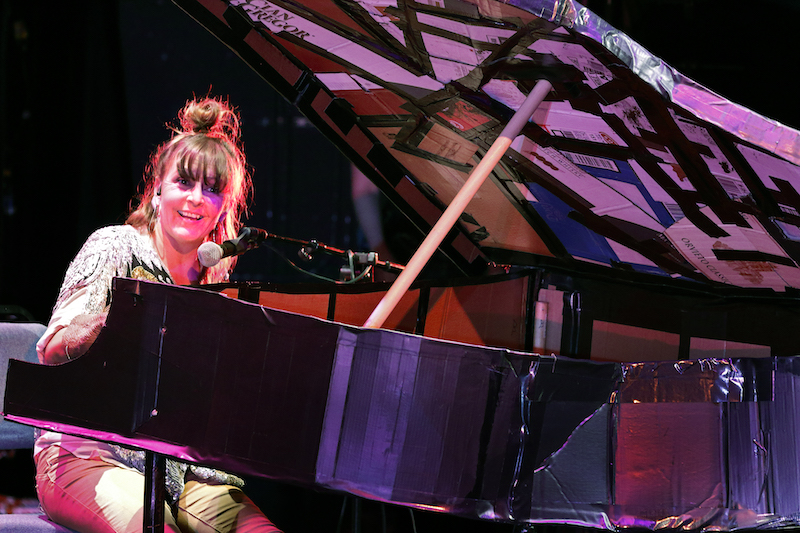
(189,209)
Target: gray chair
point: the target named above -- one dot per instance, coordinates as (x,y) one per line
(18,341)
(30,523)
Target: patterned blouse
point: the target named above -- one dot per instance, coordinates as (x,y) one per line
(113,251)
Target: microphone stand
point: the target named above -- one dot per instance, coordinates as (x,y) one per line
(360,265)
(349,272)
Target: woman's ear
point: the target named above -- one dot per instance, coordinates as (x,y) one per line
(156,200)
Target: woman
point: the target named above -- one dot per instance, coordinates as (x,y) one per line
(196,188)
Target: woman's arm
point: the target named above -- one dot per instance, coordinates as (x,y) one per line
(73,340)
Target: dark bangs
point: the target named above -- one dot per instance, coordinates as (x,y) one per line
(201,157)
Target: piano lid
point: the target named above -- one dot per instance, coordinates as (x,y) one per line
(628,166)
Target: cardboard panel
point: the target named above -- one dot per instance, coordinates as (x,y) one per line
(485,314)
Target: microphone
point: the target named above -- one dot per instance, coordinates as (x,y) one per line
(211,253)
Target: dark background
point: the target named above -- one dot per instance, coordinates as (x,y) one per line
(87,89)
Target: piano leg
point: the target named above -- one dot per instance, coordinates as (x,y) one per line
(154,492)
(356,515)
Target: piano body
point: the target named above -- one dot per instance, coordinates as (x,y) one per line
(654,220)
(473,431)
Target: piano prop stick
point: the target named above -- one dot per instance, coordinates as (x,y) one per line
(458,205)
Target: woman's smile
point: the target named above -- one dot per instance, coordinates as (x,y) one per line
(189,209)
(191,216)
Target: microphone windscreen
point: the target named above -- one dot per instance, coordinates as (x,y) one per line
(209,254)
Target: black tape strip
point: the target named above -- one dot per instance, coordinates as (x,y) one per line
(701,221)
(469,219)
(479,234)
(788,195)
(380,158)
(409,139)
(360,15)
(407,14)
(341,113)
(238,21)
(752,256)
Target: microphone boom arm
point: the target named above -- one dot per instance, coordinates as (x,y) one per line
(364,258)
(210,253)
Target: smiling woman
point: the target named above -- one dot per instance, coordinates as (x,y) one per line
(195,190)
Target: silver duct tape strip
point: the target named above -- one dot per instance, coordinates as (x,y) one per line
(496,435)
(748,125)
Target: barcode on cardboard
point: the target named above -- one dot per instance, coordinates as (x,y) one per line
(734,188)
(675,211)
(592,161)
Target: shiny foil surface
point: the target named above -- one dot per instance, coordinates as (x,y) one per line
(671,84)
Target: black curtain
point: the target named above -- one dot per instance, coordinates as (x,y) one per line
(64,145)
(87,92)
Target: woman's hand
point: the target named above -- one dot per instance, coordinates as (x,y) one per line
(74,340)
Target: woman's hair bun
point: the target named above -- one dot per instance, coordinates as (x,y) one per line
(212,116)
